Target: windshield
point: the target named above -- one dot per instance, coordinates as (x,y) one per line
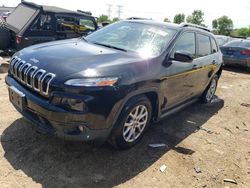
(144,39)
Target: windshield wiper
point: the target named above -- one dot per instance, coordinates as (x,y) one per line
(110,46)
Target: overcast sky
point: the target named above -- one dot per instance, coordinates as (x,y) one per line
(238,11)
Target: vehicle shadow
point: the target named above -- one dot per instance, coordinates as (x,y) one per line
(236,69)
(56,163)
(4,68)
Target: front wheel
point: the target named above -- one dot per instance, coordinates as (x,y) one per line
(208,94)
(132,123)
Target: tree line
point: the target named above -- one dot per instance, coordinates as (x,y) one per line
(221,26)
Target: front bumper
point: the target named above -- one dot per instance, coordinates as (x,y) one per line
(54,120)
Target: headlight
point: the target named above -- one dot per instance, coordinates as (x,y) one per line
(92,82)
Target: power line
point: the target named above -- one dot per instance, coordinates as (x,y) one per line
(119,11)
(109,11)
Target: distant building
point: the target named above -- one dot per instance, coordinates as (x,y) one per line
(4,9)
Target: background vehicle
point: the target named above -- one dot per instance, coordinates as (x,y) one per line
(31,24)
(237,52)
(115,82)
(222,39)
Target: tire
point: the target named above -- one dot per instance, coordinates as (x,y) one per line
(122,136)
(4,35)
(208,94)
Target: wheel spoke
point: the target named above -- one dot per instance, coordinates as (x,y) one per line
(127,130)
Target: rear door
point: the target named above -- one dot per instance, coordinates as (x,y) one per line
(206,61)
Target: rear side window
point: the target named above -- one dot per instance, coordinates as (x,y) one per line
(204,46)
(86,24)
(42,23)
(74,24)
(186,42)
(214,46)
(65,23)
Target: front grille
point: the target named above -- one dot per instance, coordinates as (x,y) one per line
(37,79)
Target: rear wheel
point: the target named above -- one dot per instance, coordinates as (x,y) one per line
(4,35)
(208,94)
(132,123)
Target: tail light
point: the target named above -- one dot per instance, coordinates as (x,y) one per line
(18,39)
(245,52)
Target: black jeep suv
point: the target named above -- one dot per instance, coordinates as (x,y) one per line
(31,24)
(112,84)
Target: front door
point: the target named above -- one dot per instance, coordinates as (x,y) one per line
(178,82)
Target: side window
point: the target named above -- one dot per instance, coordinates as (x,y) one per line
(42,23)
(204,46)
(65,23)
(186,42)
(86,24)
(214,46)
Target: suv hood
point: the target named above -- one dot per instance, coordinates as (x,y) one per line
(75,57)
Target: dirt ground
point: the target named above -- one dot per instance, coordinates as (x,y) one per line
(206,144)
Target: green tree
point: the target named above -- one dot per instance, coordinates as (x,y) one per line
(225,25)
(243,32)
(179,18)
(103,18)
(196,18)
(166,20)
(214,24)
(116,19)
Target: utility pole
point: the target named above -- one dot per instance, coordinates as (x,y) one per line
(119,10)
(109,11)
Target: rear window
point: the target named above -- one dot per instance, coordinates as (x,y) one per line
(239,43)
(20,16)
(204,46)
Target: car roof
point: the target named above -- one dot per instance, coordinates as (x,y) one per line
(54,9)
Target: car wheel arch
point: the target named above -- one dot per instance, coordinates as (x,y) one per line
(150,93)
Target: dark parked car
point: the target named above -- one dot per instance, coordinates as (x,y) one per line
(31,24)
(237,52)
(116,81)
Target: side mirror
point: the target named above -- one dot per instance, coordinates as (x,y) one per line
(183,56)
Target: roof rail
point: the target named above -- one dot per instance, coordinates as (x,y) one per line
(195,26)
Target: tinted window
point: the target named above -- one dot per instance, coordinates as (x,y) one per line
(186,43)
(204,46)
(214,46)
(42,23)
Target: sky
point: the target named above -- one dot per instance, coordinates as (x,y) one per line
(238,11)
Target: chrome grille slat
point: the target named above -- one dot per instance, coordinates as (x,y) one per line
(37,79)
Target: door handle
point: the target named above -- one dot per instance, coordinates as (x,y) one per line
(214,62)
(195,66)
